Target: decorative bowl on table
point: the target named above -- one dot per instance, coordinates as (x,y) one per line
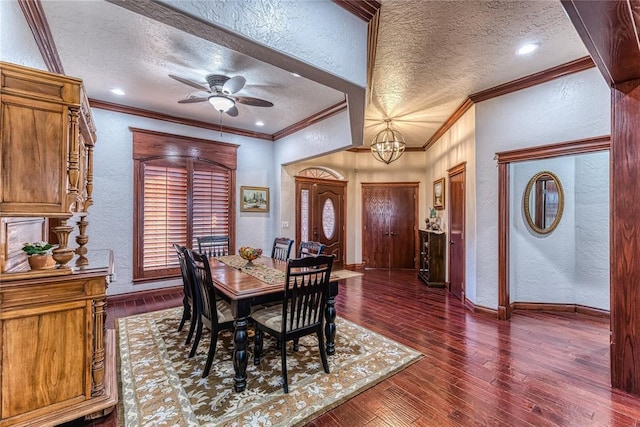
(249,253)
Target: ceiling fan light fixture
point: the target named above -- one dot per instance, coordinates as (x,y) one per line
(388,145)
(221,103)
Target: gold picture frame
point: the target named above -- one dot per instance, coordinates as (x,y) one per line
(254,199)
(438,193)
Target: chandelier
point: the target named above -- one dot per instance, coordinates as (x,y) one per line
(388,145)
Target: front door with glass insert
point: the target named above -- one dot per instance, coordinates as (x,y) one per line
(320,215)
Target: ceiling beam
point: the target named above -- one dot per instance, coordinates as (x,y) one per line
(363,9)
(206,30)
(610,31)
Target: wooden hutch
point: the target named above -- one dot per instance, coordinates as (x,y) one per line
(432,257)
(56,363)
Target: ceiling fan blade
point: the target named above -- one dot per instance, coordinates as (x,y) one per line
(193,100)
(255,102)
(233,85)
(190,83)
(233,111)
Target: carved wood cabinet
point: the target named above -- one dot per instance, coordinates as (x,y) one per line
(56,362)
(46,149)
(432,258)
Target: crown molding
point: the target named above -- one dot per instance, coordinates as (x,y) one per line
(544,76)
(125,109)
(119,108)
(448,123)
(579,146)
(363,9)
(319,116)
(37,21)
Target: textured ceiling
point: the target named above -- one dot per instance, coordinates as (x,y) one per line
(108,46)
(431,55)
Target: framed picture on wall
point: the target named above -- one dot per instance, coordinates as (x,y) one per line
(438,193)
(254,199)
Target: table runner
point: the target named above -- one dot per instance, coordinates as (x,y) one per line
(259,271)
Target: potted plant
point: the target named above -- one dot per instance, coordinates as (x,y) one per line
(40,255)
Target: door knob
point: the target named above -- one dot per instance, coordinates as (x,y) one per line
(451,242)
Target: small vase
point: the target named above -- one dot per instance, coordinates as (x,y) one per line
(41,262)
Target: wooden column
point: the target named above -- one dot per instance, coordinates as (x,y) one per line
(609,30)
(625,237)
(504,303)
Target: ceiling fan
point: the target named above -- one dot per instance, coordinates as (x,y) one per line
(221,93)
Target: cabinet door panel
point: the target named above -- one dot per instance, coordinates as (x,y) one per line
(34,157)
(44,367)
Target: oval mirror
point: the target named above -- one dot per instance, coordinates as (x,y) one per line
(543,202)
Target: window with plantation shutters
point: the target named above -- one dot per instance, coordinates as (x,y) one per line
(164,218)
(210,203)
(177,199)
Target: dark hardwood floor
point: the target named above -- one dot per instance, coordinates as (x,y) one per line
(539,369)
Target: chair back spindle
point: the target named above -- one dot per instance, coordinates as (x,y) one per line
(189,311)
(214,314)
(301,313)
(310,248)
(205,292)
(305,293)
(214,246)
(281,248)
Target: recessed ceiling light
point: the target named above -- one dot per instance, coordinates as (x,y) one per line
(118,92)
(259,123)
(296,75)
(527,48)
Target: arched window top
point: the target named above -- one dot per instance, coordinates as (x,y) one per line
(321,172)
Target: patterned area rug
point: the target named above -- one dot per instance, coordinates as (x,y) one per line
(344,274)
(160,385)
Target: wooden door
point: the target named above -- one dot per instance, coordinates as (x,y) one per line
(375,227)
(320,215)
(456,231)
(389,226)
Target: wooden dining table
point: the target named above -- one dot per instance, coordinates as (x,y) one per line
(244,291)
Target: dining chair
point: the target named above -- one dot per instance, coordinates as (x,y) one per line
(281,248)
(189,309)
(302,310)
(213,246)
(310,248)
(214,314)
